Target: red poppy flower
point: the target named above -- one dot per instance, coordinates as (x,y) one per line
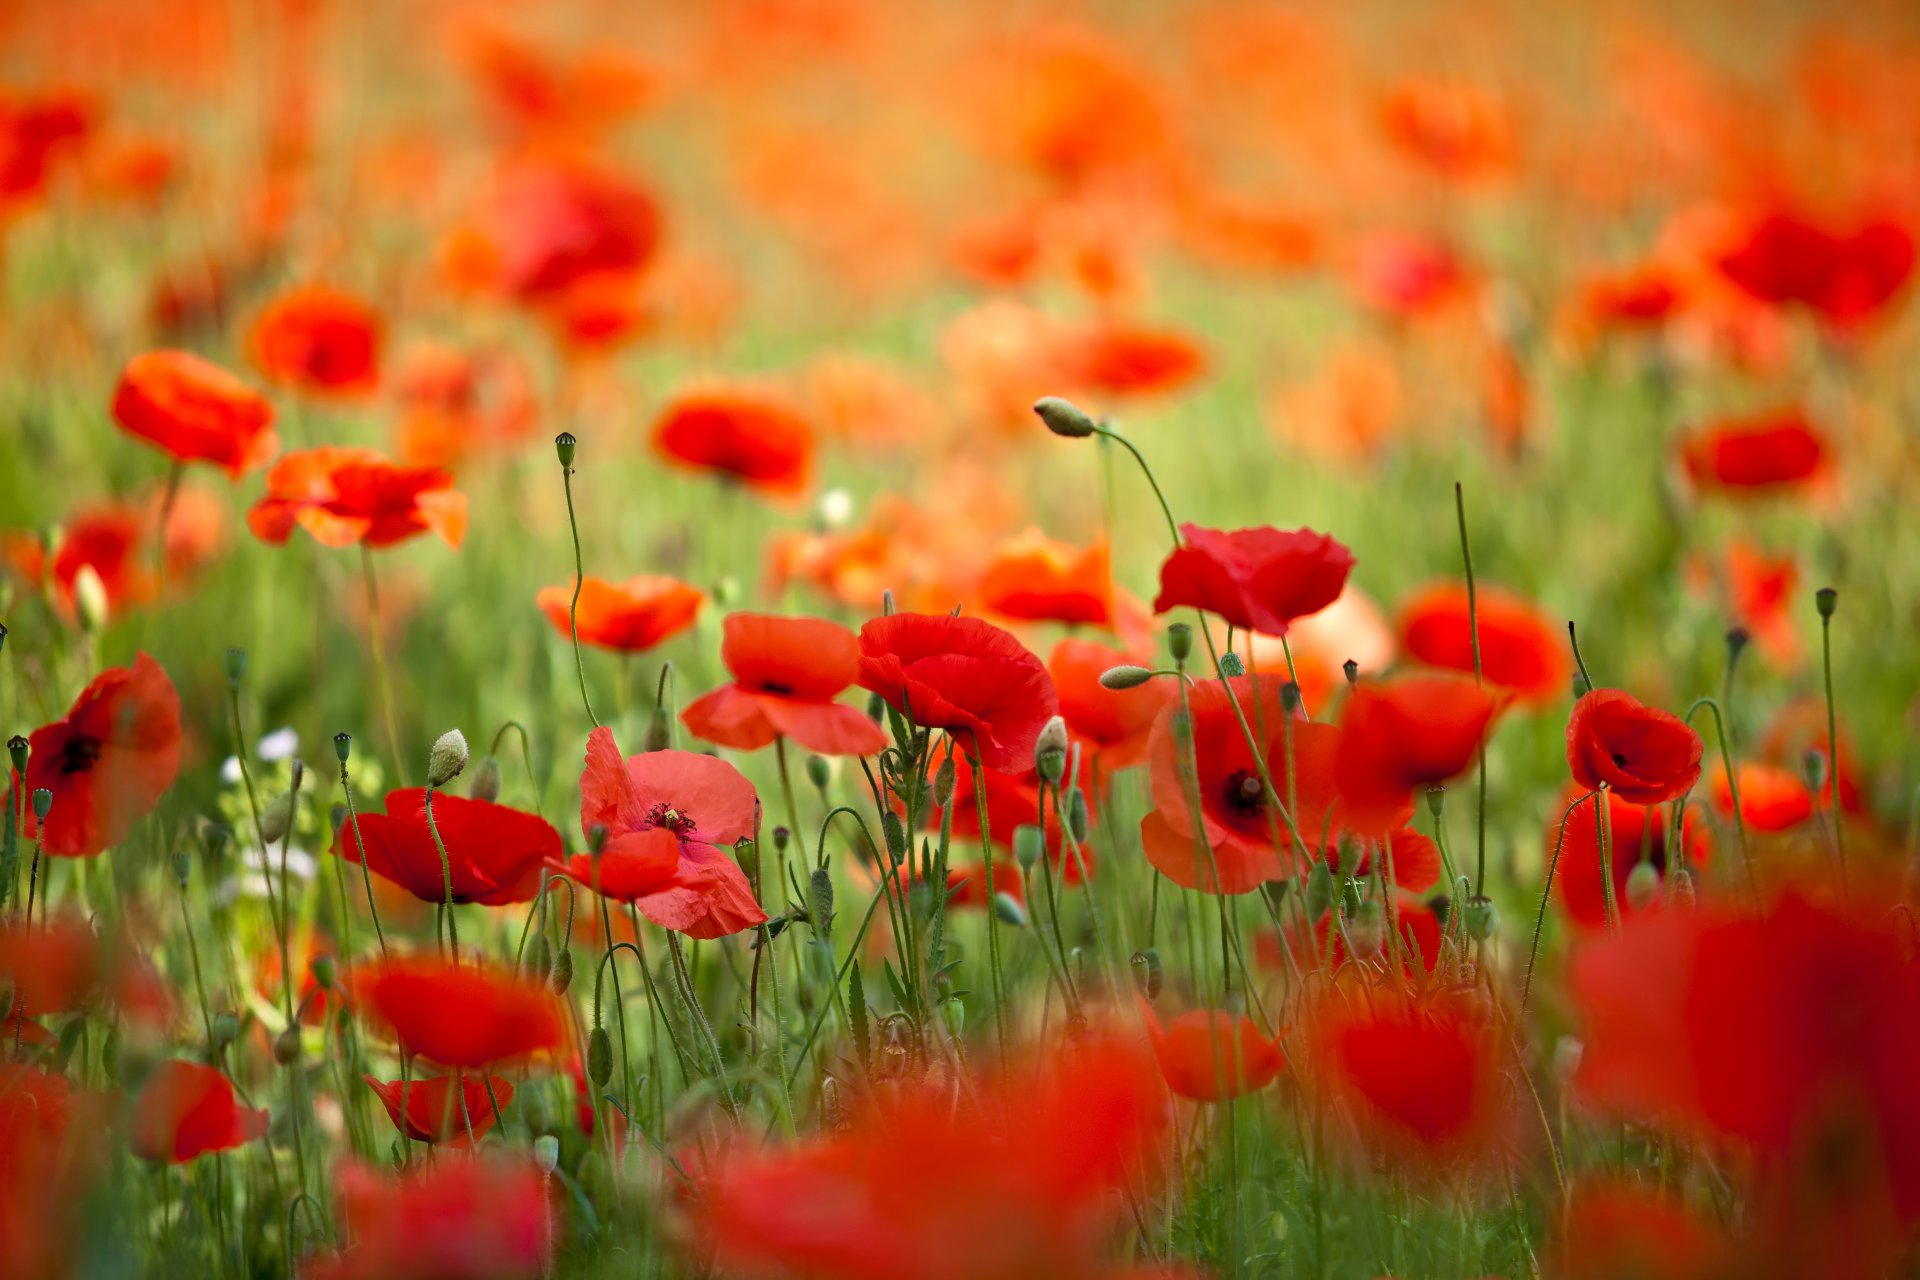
(963,675)
(1122,358)
(1634,298)
(1047,1181)
(186,1109)
(1408,276)
(626,617)
(495,855)
(551,226)
(47,1159)
(50,967)
(1113,723)
(1245,842)
(786,674)
(1845,277)
(1207,1055)
(671,819)
(1632,829)
(1257,579)
(1640,753)
(196,411)
(1013,801)
(318,340)
(1032,578)
(1458,131)
(1520,648)
(1415,859)
(1771,453)
(1423,1077)
(430,1111)
(108,762)
(113,542)
(1763,594)
(1799,729)
(745,435)
(1402,735)
(450,1218)
(459,1015)
(343,496)
(1615,1229)
(1772,799)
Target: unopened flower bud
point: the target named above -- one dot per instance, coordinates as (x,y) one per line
(1028,844)
(1825,600)
(236,666)
(323,972)
(181,865)
(485,782)
(286,1046)
(1367,930)
(1124,676)
(596,838)
(1149,974)
(1480,917)
(1319,889)
(876,708)
(1079,817)
(42,803)
(943,781)
(216,836)
(1680,889)
(343,746)
(896,835)
(564,446)
(1231,665)
(781,839)
(1813,763)
(1064,418)
(562,976)
(89,598)
(546,1153)
(1179,641)
(659,735)
(820,901)
(277,817)
(819,772)
(1643,885)
(1351,670)
(1050,749)
(1290,698)
(447,758)
(599,1056)
(1008,910)
(540,958)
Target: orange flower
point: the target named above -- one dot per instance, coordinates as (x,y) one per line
(787,673)
(343,496)
(195,411)
(627,617)
(318,340)
(1460,132)
(1033,578)
(741,434)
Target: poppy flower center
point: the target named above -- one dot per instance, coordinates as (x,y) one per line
(1619,761)
(775,686)
(79,755)
(664,815)
(1245,795)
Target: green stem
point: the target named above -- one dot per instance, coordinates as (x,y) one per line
(380,663)
(573,606)
(446,878)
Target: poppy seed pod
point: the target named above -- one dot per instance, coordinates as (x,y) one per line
(943,782)
(1064,418)
(89,598)
(1050,749)
(17,751)
(343,746)
(182,866)
(1825,600)
(564,446)
(1643,885)
(286,1047)
(236,662)
(42,803)
(599,1056)
(1149,974)
(1480,917)
(1231,666)
(485,782)
(819,772)
(1125,676)
(277,817)
(562,971)
(447,758)
(216,836)
(820,901)
(1436,801)
(1028,844)
(1179,641)
(781,838)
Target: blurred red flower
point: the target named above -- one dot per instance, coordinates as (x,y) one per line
(318,340)
(48,1135)
(108,761)
(1113,723)
(1257,579)
(185,1110)
(195,411)
(1631,828)
(1614,1229)
(786,674)
(1640,753)
(342,496)
(1208,1056)
(1402,735)
(1415,859)
(1457,131)
(495,855)
(1773,452)
(741,434)
(627,617)
(1520,649)
(1117,357)
(430,1110)
(1772,799)
(963,675)
(459,1015)
(1846,277)
(1033,578)
(450,1219)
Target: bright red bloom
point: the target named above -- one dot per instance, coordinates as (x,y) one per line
(459,1015)
(1257,579)
(1113,723)
(626,617)
(1246,842)
(1023,1183)
(786,674)
(1415,859)
(478,1219)
(1013,801)
(108,762)
(1122,358)
(318,340)
(1631,828)
(1520,648)
(1845,277)
(430,1111)
(1771,798)
(744,435)
(553,226)
(1032,578)
(963,675)
(1207,1055)
(114,541)
(343,496)
(1640,753)
(186,1109)
(196,411)
(47,1150)
(1402,735)
(1619,1229)
(495,855)
(671,819)
(1773,452)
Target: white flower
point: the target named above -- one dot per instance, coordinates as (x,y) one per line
(280,744)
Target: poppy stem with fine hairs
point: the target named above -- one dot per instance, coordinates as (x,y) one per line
(1733,788)
(1473,630)
(564,446)
(343,747)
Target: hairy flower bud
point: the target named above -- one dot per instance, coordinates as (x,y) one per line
(277,818)
(286,1046)
(485,782)
(1319,889)
(1028,845)
(546,1153)
(659,735)
(820,901)
(90,598)
(1079,818)
(1149,974)
(1064,418)
(1050,749)
(562,977)
(1367,930)
(323,972)
(1007,909)
(1125,676)
(896,835)
(599,1056)
(447,758)
(1643,885)
(943,782)
(819,772)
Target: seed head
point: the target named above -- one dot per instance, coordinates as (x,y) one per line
(1825,600)
(17,749)
(1231,665)
(343,746)
(236,662)
(1179,642)
(564,445)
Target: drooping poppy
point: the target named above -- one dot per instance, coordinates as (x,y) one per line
(108,761)
(1520,648)
(459,1016)
(1772,799)
(495,855)
(342,496)
(742,434)
(1773,452)
(480,1217)
(786,674)
(1208,1055)
(1640,753)
(195,411)
(1257,579)
(186,1109)
(1113,723)
(626,617)
(1635,833)
(670,819)
(963,675)
(318,340)
(1405,734)
(430,1110)
(1033,578)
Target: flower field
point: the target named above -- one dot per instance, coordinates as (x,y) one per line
(826,639)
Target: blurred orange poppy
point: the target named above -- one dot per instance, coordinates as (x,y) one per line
(628,617)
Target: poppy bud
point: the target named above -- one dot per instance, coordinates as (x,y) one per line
(1367,930)
(1319,889)
(1567,1053)
(343,746)
(1064,418)
(1149,974)
(1028,844)
(17,751)
(956,1011)
(236,666)
(1643,885)
(1289,698)
(599,1056)
(485,782)
(726,589)
(820,901)
(42,802)
(1480,917)
(1179,641)
(1436,801)
(896,835)
(1825,599)
(1078,817)
(276,817)
(1126,676)
(819,772)
(781,839)
(563,446)
(1680,889)
(1231,665)
(1737,640)
(216,836)
(322,970)
(546,1153)
(1008,910)
(181,866)
(1352,672)
(943,781)
(286,1046)
(1813,763)
(540,961)
(226,1029)
(1050,749)
(447,758)
(89,598)
(562,971)
(659,734)
(596,838)
(336,814)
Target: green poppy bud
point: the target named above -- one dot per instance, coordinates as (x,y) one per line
(819,772)
(226,1029)
(1050,749)
(896,835)
(1643,885)
(1319,889)
(943,782)
(562,977)
(546,1153)
(1079,818)
(1149,974)
(1367,930)
(485,782)
(236,666)
(323,972)
(1008,910)
(1064,418)
(447,759)
(286,1046)
(1028,845)
(277,817)
(599,1056)
(1125,676)
(820,901)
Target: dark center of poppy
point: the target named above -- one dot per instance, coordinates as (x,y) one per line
(1245,795)
(664,815)
(79,755)
(1619,761)
(775,686)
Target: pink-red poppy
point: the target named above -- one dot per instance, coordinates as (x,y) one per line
(1642,754)
(459,1015)
(432,1109)
(1257,579)
(342,496)
(1521,649)
(495,855)
(745,435)
(318,340)
(185,1110)
(963,675)
(1208,1056)
(626,617)
(1635,833)
(787,673)
(195,411)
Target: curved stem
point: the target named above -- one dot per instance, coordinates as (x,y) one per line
(526,758)
(1678,834)
(366,877)
(573,606)
(446,879)
(1546,893)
